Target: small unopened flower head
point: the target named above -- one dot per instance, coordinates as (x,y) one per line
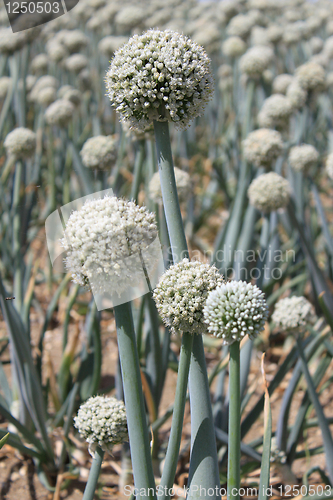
(302,158)
(281,83)
(240,25)
(269,192)
(292,313)
(181,294)
(234,46)
(329,166)
(162,76)
(5,83)
(109,44)
(105,240)
(59,113)
(311,76)
(99,152)
(235,309)
(262,147)
(296,94)
(255,60)
(20,143)
(76,63)
(183,183)
(102,422)
(39,63)
(275,111)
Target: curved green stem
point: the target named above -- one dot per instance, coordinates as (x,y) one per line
(90,488)
(234,436)
(136,415)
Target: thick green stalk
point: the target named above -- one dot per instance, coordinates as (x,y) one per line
(169,192)
(136,415)
(137,175)
(204,473)
(203,463)
(323,423)
(171,459)
(234,423)
(90,488)
(18,292)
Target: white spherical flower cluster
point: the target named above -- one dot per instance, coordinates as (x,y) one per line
(46,96)
(275,111)
(39,63)
(99,152)
(329,166)
(269,192)
(11,42)
(292,313)
(311,76)
(109,44)
(20,143)
(281,83)
(5,83)
(181,294)
(162,76)
(183,183)
(255,60)
(240,25)
(296,94)
(74,40)
(59,113)
(302,158)
(104,241)
(129,17)
(56,51)
(102,422)
(43,82)
(76,63)
(233,46)
(235,309)
(262,147)
(274,33)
